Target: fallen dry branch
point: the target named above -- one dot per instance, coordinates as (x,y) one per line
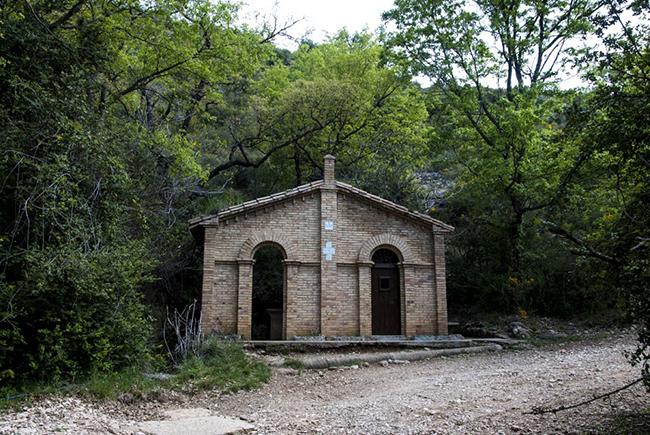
(546,410)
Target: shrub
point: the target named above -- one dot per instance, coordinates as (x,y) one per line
(74,312)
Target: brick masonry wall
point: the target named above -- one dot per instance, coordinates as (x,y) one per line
(304,316)
(222,300)
(422,319)
(295,219)
(359,221)
(345,308)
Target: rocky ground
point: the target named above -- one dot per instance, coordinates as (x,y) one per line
(490,393)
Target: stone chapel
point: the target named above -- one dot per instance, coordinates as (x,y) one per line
(352,265)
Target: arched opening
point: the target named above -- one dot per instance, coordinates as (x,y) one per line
(268,293)
(386,314)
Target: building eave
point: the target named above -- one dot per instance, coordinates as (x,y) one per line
(276,198)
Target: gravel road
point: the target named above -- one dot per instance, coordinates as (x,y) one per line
(465,394)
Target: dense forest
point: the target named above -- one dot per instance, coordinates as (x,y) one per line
(122,119)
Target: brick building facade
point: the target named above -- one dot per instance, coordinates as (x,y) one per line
(354,264)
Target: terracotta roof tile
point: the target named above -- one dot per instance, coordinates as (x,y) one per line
(396,207)
(310,187)
(255,203)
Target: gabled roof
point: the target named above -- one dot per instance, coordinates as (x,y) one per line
(255,204)
(260,203)
(389,205)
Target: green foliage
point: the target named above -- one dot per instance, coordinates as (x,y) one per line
(76,312)
(221,364)
(612,128)
(295,364)
(497,117)
(111,385)
(121,119)
(99,106)
(602,215)
(336,98)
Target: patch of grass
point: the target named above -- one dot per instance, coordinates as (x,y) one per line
(221,364)
(14,399)
(111,385)
(217,364)
(295,364)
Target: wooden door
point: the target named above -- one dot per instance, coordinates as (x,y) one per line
(385,301)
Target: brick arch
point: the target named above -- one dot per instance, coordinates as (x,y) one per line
(365,253)
(248,248)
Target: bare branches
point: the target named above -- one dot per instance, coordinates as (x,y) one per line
(279,29)
(187,332)
(244,160)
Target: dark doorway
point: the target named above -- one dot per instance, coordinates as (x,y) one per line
(268,285)
(386,319)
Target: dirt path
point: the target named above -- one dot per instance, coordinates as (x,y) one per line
(481,393)
(465,394)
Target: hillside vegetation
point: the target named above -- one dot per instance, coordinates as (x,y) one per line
(122,119)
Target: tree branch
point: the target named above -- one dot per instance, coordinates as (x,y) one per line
(542,410)
(72,12)
(245,162)
(591,252)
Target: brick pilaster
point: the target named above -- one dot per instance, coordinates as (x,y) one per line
(365,298)
(408,313)
(208,304)
(244,298)
(291,309)
(328,245)
(440,283)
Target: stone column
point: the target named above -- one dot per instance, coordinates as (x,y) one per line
(441,284)
(328,243)
(244,297)
(365,298)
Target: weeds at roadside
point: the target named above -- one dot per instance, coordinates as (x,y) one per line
(111,385)
(220,364)
(295,364)
(215,364)
(14,399)
(17,396)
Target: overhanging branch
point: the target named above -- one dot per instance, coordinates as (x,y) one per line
(588,250)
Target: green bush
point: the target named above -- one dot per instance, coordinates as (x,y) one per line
(74,313)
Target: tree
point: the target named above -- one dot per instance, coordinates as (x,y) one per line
(612,129)
(335,98)
(99,103)
(495,66)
